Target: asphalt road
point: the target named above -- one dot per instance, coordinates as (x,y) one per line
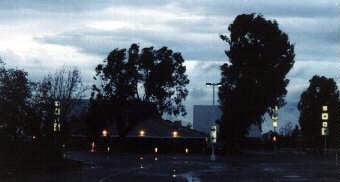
(249,167)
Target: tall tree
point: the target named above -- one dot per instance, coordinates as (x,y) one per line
(14,96)
(254,79)
(134,81)
(322,91)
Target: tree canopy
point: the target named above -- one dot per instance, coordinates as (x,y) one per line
(14,98)
(140,81)
(254,78)
(322,91)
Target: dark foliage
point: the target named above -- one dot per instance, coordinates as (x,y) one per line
(133,84)
(310,107)
(14,100)
(254,80)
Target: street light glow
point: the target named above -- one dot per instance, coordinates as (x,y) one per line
(141,133)
(174,134)
(105,133)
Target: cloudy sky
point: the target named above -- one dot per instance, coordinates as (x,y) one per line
(42,35)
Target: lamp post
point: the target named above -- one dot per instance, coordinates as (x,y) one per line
(213,85)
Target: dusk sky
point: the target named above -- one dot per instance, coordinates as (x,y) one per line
(40,36)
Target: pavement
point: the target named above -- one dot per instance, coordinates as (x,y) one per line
(251,166)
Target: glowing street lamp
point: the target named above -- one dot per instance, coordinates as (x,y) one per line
(174,134)
(105,133)
(141,133)
(156,150)
(213,85)
(274,138)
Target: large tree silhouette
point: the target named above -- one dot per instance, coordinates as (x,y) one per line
(135,83)
(321,91)
(254,79)
(15,95)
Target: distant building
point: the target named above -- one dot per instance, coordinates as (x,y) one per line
(204,116)
(159,128)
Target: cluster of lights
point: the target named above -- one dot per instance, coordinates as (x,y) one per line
(324,117)
(174,134)
(56,123)
(275,117)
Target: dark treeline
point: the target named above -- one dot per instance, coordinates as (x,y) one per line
(135,84)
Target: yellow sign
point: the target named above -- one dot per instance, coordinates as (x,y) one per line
(275,124)
(324,108)
(324,124)
(324,116)
(324,131)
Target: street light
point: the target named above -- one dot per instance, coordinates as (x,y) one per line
(175,134)
(213,85)
(141,133)
(105,133)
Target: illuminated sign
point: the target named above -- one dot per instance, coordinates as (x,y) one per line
(275,124)
(324,131)
(324,124)
(324,108)
(213,133)
(324,116)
